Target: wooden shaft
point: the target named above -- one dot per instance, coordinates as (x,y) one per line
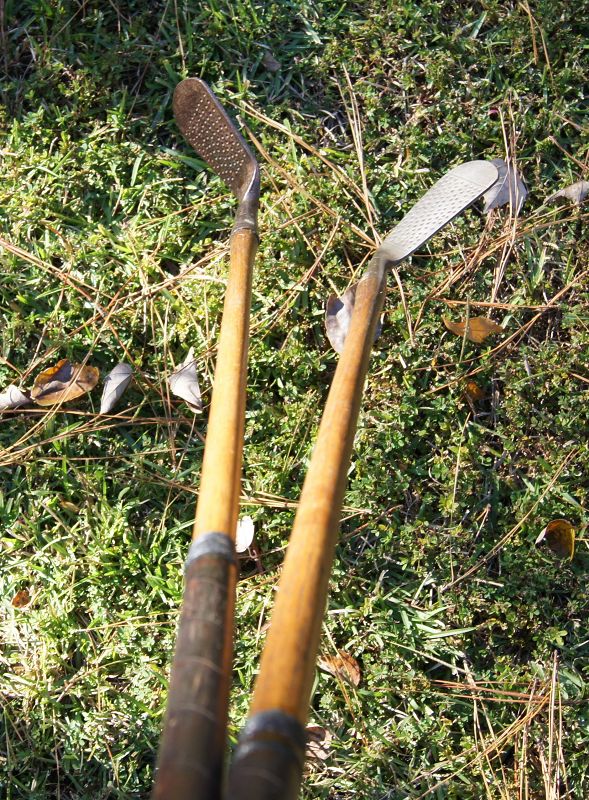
(287,667)
(192,748)
(218,501)
(288,661)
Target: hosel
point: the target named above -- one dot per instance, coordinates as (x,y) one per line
(246,217)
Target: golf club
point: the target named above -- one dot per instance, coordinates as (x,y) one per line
(191,752)
(269,759)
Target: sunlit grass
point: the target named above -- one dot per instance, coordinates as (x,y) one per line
(472,643)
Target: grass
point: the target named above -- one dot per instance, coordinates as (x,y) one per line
(472,643)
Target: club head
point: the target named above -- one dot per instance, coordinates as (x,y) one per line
(447,198)
(208,129)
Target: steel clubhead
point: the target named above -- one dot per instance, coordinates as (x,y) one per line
(447,198)
(208,129)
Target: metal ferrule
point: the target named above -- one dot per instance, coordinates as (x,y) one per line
(211,544)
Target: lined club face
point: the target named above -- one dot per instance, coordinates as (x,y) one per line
(447,198)
(208,129)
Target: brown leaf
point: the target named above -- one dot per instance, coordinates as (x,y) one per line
(21,599)
(576,193)
(474,392)
(478,328)
(508,189)
(343,666)
(318,743)
(560,538)
(63,382)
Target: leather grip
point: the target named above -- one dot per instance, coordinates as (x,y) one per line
(268,761)
(193,742)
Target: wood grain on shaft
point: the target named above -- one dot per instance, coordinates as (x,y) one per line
(289,656)
(221,470)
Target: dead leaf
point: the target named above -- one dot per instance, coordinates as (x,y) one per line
(115,384)
(184,382)
(318,743)
(63,382)
(560,538)
(474,392)
(71,507)
(244,535)
(343,666)
(12,397)
(576,193)
(21,599)
(509,189)
(338,316)
(271,64)
(478,328)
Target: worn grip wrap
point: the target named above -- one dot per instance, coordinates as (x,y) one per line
(194,730)
(268,761)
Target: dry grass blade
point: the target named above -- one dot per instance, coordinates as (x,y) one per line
(512,190)
(356,128)
(82,288)
(515,337)
(506,537)
(399,282)
(336,171)
(475,756)
(299,187)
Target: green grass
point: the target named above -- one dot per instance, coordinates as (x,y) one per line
(116,251)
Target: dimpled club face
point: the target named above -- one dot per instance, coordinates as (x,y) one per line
(208,129)
(454,192)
